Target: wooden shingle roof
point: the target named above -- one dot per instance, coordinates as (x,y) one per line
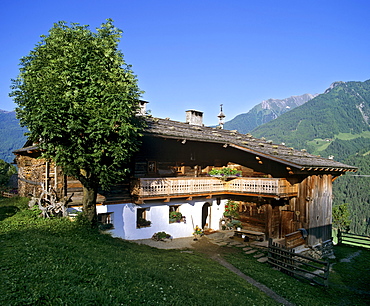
(302,160)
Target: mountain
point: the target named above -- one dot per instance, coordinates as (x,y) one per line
(11,135)
(264,112)
(335,124)
(341,113)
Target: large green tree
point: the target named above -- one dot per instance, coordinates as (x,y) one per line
(79,100)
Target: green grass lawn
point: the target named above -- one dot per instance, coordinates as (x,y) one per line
(349,282)
(58,262)
(320,145)
(349,136)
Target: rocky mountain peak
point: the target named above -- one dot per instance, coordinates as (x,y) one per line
(287,103)
(334,84)
(266,111)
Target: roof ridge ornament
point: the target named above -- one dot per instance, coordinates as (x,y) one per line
(221,116)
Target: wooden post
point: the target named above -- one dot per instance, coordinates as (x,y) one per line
(55,178)
(326,275)
(269,253)
(47,170)
(268,221)
(339,236)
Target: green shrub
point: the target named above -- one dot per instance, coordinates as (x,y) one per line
(160,236)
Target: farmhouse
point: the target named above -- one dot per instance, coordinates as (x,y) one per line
(279,190)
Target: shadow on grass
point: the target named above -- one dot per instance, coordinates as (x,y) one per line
(7,211)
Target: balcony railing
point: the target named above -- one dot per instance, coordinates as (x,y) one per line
(152,187)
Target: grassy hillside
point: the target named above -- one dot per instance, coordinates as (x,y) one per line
(58,262)
(11,135)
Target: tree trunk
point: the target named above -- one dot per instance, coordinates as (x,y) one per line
(89,204)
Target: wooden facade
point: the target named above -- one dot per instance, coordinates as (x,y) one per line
(281,189)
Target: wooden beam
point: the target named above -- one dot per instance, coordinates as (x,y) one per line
(268,220)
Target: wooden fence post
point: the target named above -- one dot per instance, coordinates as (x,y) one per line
(339,236)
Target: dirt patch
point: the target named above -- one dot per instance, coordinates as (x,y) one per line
(203,245)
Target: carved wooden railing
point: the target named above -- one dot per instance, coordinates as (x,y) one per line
(149,187)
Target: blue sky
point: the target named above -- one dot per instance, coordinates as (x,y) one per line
(203,53)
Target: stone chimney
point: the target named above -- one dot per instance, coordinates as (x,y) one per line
(194,117)
(142,105)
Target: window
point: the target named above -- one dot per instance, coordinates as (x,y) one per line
(141,218)
(105,220)
(175,215)
(152,166)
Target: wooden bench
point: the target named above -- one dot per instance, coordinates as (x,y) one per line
(294,239)
(258,236)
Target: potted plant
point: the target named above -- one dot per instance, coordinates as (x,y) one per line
(141,222)
(225,173)
(231,209)
(175,216)
(198,232)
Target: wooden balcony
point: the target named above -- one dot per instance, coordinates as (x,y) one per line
(192,186)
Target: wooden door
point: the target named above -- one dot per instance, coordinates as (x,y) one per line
(286,224)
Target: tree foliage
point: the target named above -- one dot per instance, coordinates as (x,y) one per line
(6,171)
(354,190)
(341,218)
(79,100)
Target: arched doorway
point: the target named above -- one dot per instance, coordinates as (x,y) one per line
(206,214)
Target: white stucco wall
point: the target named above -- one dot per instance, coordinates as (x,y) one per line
(124,218)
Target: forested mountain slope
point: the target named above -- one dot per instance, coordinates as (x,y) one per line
(264,112)
(342,112)
(334,124)
(354,189)
(11,135)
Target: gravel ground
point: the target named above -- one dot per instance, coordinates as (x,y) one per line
(178,243)
(205,244)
